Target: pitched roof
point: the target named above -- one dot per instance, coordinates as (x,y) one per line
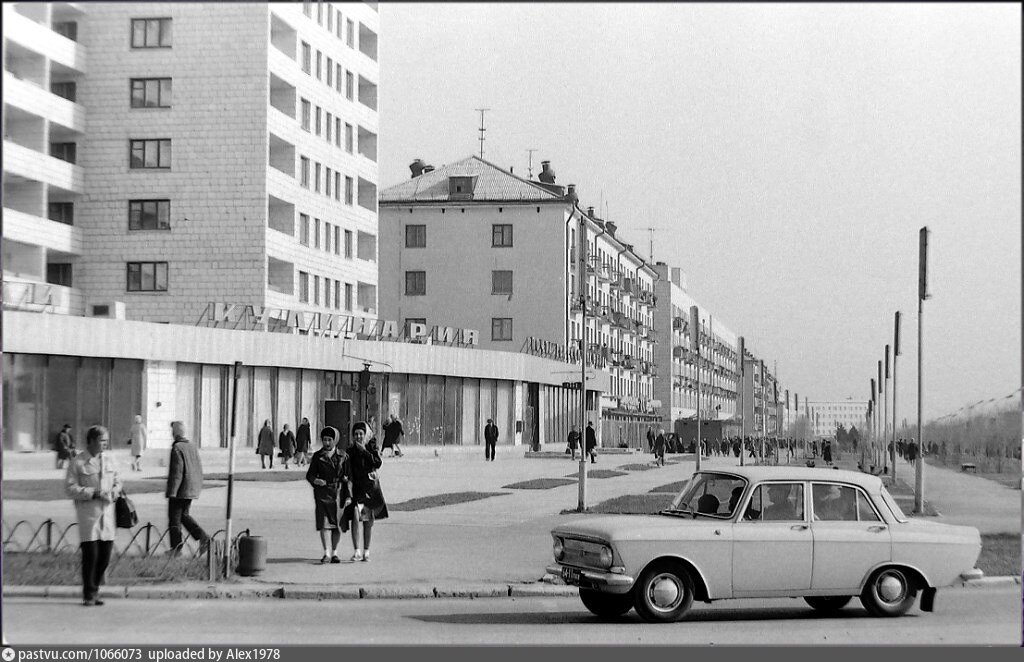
(493,184)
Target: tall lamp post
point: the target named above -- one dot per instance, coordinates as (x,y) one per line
(895,353)
(695,341)
(742,403)
(922,294)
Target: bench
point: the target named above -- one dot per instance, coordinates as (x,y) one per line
(969,466)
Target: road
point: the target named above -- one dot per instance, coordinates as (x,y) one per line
(990,615)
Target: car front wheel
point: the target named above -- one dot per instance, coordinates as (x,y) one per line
(828,603)
(606,605)
(889,592)
(664,593)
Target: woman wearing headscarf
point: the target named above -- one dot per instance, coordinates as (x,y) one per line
(367,500)
(328,473)
(265,447)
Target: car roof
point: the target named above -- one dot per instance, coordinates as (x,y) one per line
(759,473)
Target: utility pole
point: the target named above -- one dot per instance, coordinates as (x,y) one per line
(743,423)
(482,129)
(895,353)
(581,268)
(922,294)
(529,169)
(695,341)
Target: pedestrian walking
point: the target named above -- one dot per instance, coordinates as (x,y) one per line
(92,482)
(490,439)
(184,483)
(286,442)
(393,435)
(573,441)
(265,445)
(659,447)
(826,451)
(302,442)
(591,442)
(64,446)
(367,505)
(330,475)
(650,438)
(138,439)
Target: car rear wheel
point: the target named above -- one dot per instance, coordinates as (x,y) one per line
(828,603)
(606,605)
(664,593)
(889,592)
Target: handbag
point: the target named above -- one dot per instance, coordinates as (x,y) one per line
(124,512)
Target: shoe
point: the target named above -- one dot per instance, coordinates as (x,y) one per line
(366,555)
(358,556)
(325,559)
(335,559)
(88,603)
(98,602)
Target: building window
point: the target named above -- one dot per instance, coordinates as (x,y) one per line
(307,8)
(149,214)
(67,29)
(316,180)
(304,229)
(348,244)
(349,138)
(303,287)
(338,78)
(320,12)
(337,242)
(330,19)
(316,290)
(350,33)
(64,151)
(307,109)
(338,26)
(327,237)
(349,190)
(350,86)
(337,294)
(147,276)
(59,274)
(330,72)
(319,65)
(318,116)
(330,121)
(327,183)
(501,328)
(150,153)
(62,212)
(68,90)
(151,33)
(348,297)
(306,58)
(316,233)
(415,283)
(151,92)
(501,235)
(416,236)
(337,131)
(501,282)
(337,185)
(304,171)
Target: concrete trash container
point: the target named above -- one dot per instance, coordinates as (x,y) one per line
(252,555)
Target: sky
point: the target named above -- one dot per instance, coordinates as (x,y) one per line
(786,156)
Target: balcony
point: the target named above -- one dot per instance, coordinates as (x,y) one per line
(42,297)
(33,99)
(36,166)
(33,36)
(35,230)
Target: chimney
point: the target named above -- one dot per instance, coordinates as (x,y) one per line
(610,227)
(570,194)
(590,212)
(417,167)
(547,175)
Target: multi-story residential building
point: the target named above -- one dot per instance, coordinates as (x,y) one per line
(762,401)
(474,244)
(678,363)
(159,157)
(827,415)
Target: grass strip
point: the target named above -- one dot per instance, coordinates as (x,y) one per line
(599,473)
(46,489)
(673,488)
(539,484)
(65,569)
(438,500)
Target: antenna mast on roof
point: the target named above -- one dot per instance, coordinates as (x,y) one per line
(530,169)
(650,234)
(482,129)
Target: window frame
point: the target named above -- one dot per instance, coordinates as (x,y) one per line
(415,283)
(306,115)
(497,331)
(303,229)
(146,144)
(417,238)
(303,287)
(307,59)
(498,235)
(141,266)
(162,23)
(159,80)
(495,273)
(138,225)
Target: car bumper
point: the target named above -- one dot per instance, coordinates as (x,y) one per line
(608,582)
(974,573)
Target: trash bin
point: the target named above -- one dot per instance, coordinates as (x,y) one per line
(252,555)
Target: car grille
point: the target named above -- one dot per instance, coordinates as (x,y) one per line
(582,553)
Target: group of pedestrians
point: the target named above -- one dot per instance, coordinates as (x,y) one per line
(589,442)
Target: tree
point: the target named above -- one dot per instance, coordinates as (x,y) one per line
(842,436)
(853,436)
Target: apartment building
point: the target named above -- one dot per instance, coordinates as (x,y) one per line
(827,415)
(680,366)
(763,400)
(163,156)
(476,245)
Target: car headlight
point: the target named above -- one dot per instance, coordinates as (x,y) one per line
(605,557)
(559,549)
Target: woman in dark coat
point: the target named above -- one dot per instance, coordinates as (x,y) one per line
(367,500)
(265,447)
(286,442)
(302,442)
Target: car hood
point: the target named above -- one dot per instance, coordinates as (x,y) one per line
(633,527)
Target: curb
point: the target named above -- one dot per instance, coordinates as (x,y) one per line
(375,591)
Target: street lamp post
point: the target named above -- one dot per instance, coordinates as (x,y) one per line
(895,353)
(695,341)
(922,294)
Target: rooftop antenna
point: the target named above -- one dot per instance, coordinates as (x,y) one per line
(530,169)
(650,235)
(482,129)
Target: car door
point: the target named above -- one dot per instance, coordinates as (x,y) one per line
(849,537)
(772,542)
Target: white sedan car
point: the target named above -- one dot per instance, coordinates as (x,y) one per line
(754,532)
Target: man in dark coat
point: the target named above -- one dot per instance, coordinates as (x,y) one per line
(659,447)
(490,439)
(265,445)
(393,434)
(302,441)
(330,475)
(573,441)
(184,483)
(591,442)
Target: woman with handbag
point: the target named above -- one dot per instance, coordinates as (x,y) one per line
(367,503)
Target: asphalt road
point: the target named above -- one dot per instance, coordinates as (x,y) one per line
(964,616)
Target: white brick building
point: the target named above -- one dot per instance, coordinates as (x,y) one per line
(160,156)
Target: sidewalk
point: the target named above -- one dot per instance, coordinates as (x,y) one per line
(498,545)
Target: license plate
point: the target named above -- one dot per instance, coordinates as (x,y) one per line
(571,575)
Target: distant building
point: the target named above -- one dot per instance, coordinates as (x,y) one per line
(827,415)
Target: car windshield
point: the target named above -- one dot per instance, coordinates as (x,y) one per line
(708,494)
(893,506)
